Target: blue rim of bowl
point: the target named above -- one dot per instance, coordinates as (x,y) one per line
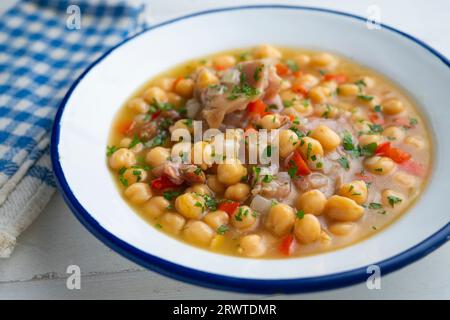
(217,281)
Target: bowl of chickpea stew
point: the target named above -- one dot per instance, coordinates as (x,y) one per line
(257,163)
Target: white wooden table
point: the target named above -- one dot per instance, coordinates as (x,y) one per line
(37,268)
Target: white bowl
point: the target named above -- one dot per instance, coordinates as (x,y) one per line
(83,123)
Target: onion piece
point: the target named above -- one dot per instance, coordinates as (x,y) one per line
(192,108)
(261,204)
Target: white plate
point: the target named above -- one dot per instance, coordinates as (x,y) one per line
(83,123)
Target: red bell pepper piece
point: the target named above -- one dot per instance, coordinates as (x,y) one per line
(302,167)
(229,207)
(287,245)
(257,108)
(414,168)
(339,78)
(396,154)
(282,69)
(298,88)
(163,183)
(376,118)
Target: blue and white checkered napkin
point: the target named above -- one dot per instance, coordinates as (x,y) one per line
(44,46)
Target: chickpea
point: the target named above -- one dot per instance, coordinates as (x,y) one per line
(155,207)
(415,142)
(138,105)
(216,219)
(215,185)
(343,209)
(198,232)
(280,219)
(181,150)
(327,137)
(348,90)
(344,106)
(252,245)
(122,157)
(157,94)
(202,153)
(231,173)
(331,85)
(270,121)
(266,51)
(405,180)
(366,139)
(302,60)
(175,99)
(125,142)
(190,205)
(294,105)
(319,94)
(392,107)
(288,141)
(379,165)
(182,124)
(172,222)
(392,199)
(326,111)
(165,83)
(199,188)
(312,201)
(307,229)
(355,190)
(206,78)
(237,192)
(323,60)
(223,62)
(138,192)
(157,156)
(133,175)
(342,228)
(394,133)
(244,218)
(310,147)
(185,88)
(307,80)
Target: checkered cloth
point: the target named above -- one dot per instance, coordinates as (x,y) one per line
(44,46)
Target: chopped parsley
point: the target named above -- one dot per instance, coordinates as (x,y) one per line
(292,65)
(110,150)
(158,225)
(257,73)
(268,178)
(300,214)
(297,132)
(134,142)
(375,206)
(377,108)
(369,149)
(222,229)
(122,179)
(308,151)
(393,200)
(292,171)
(210,202)
(343,161)
(365,97)
(243,89)
(375,128)
(170,195)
